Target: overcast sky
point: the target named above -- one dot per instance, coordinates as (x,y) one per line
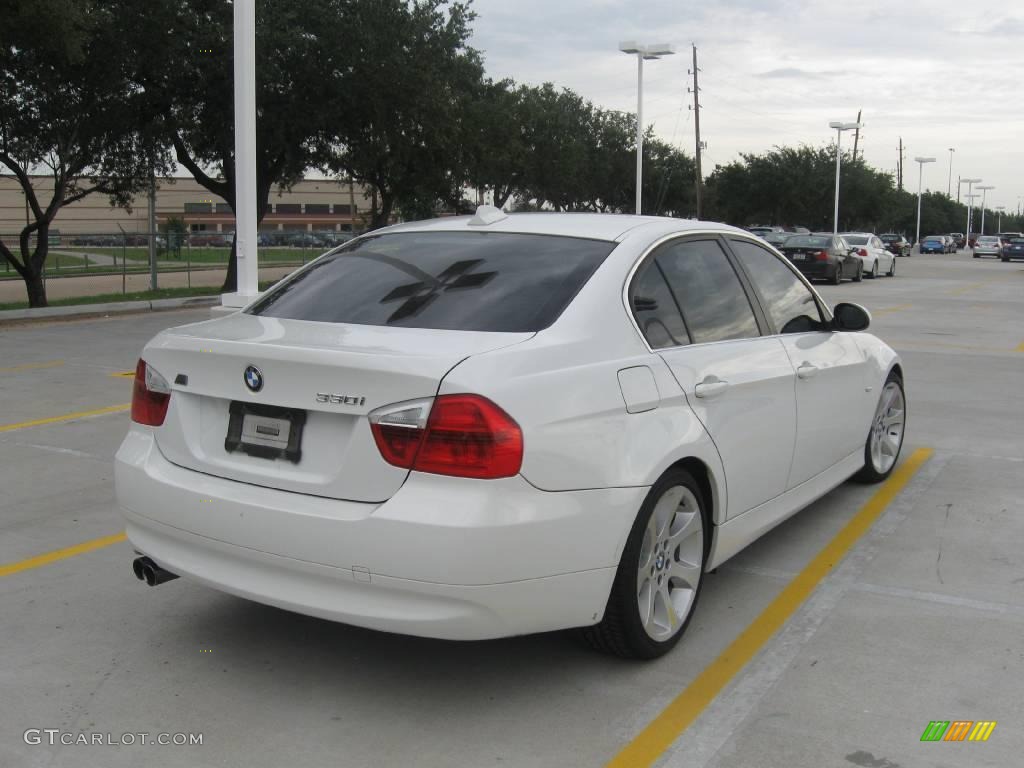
(939,73)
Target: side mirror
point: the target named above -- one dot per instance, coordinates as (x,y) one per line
(852,252)
(850,317)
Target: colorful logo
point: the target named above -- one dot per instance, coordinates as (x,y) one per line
(958,730)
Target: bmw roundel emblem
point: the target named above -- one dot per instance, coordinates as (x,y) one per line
(253,378)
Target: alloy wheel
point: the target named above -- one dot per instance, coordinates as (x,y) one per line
(887,428)
(670,563)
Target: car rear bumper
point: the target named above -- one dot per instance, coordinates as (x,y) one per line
(986,252)
(816,270)
(444,557)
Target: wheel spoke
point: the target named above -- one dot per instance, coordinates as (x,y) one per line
(894,417)
(688,573)
(689,524)
(665,510)
(645,601)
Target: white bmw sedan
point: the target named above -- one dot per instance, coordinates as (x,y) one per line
(478,427)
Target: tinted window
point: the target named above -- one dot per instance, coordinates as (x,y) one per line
(809,241)
(788,302)
(470,281)
(655,309)
(714,304)
(855,239)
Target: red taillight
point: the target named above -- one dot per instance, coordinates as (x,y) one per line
(821,256)
(862,251)
(150,396)
(463,436)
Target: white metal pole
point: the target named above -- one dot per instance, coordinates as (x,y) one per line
(639,130)
(970,200)
(835,213)
(245,149)
(920,173)
(949,184)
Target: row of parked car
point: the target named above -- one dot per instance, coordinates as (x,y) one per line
(834,258)
(1005,246)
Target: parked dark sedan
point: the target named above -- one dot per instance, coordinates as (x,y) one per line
(823,257)
(896,244)
(1014,249)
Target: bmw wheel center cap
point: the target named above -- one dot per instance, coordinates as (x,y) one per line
(253,378)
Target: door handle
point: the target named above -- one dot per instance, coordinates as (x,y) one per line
(807,371)
(710,388)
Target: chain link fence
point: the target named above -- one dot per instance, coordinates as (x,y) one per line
(125,254)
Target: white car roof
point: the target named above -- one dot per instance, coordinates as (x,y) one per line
(598,226)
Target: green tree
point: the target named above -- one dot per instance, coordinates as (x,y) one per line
(69,115)
(397,114)
(182,60)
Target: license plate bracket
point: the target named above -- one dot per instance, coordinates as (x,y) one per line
(265,431)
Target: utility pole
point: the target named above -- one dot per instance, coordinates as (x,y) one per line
(899,168)
(699,176)
(856,135)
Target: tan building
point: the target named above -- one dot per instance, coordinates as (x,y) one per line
(311,205)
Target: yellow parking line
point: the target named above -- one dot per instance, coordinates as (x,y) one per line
(661,732)
(31,366)
(124,374)
(60,554)
(1020,347)
(65,417)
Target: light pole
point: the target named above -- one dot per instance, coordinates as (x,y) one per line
(983,191)
(949,184)
(839,128)
(920,173)
(970,212)
(999,221)
(642,52)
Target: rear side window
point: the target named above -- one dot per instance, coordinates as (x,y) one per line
(714,305)
(465,281)
(655,309)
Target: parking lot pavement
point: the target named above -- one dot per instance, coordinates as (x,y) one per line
(921,621)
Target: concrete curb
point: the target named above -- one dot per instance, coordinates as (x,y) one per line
(113,308)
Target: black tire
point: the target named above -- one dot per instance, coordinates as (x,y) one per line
(892,269)
(859,274)
(874,270)
(977,256)
(868,474)
(837,278)
(621,631)
(1007,261)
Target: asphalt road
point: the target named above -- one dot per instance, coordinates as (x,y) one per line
(920,621)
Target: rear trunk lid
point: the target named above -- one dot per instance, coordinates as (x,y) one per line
(319,382)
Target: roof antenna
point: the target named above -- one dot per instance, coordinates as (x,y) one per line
(487,214)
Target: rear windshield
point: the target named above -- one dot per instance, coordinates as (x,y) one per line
(890,238)
(809,241)
(855,239)
(988,239)
(933,239)
(1017,240)
(466,281)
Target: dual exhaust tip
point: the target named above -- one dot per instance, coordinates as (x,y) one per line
(151,573)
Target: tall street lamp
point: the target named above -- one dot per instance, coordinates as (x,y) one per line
(970,211)
(642,52)
(839,128)
(949,184)
(999,221)
(920,173)
(983,191)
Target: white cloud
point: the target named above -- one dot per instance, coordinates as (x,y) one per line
(937,73)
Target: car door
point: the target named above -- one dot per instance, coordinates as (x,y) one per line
(738,383)
(885,259)
(833,403)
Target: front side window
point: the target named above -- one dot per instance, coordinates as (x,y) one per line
(708,291)
(465,281)
(788,302)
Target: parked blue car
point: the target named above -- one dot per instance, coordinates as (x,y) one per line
(933,245)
